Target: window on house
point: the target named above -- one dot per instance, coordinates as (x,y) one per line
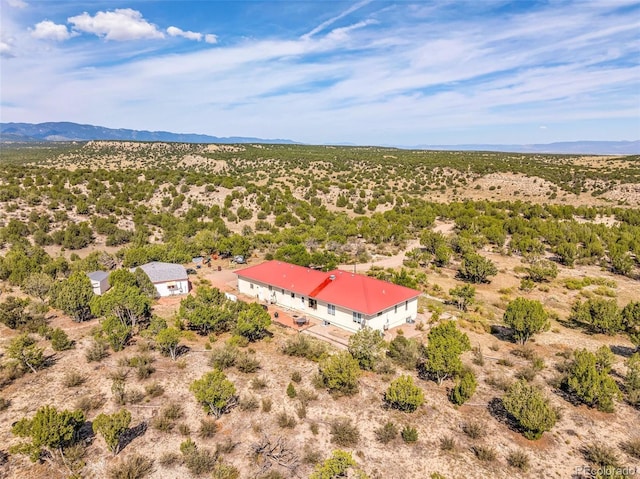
(250,285)
(395,308)
(270,287)
(293,295)
(357,317)
(331,309)
(406,305)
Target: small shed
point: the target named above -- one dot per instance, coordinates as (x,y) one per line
(99,281)
(170,279)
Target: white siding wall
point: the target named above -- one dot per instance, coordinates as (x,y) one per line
(392,317)
(181,287)
(100,287)
(343,317)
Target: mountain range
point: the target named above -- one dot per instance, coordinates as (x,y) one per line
(68,131)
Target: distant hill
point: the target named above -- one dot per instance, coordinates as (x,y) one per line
(566,147)
(67,131)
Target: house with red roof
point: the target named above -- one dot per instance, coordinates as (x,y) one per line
(347,300)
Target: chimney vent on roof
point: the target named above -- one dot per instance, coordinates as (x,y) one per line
(332,277)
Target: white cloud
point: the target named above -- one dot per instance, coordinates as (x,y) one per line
(47,30)
(17,3)
(120,25)
(177,32)
(6,49)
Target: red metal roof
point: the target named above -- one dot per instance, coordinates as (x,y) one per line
(284,275)
(355,292)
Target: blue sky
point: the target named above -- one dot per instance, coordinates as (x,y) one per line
(363,72)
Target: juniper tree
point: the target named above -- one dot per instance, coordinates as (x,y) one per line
(50,431)
(530,408)
(404,395)
(111,427)
(526,317)
(215,392)
(441,355)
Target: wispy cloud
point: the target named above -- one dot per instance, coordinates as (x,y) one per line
(17,3)
(334,19)
(120,25)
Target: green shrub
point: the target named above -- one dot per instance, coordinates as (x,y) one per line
(291,391)
(632,447)
(215,392)
(598,315)
(601,456)
(404,395)
(286,421)
(223,358)
(367,347)
(474,429)
(518,460)
(588,379)
(530,408)
(208,428)
(386,433)
(340,373)
(60,341)
(441,356)
(72,379)
(344,433)
(448,443)
(526,317)
(336,466)
(305,347)
(404,352)
(111,427)
(296,377)
(247,363)
(133,467)
(409,434)
(96,352)
(484,453)
(465,388)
